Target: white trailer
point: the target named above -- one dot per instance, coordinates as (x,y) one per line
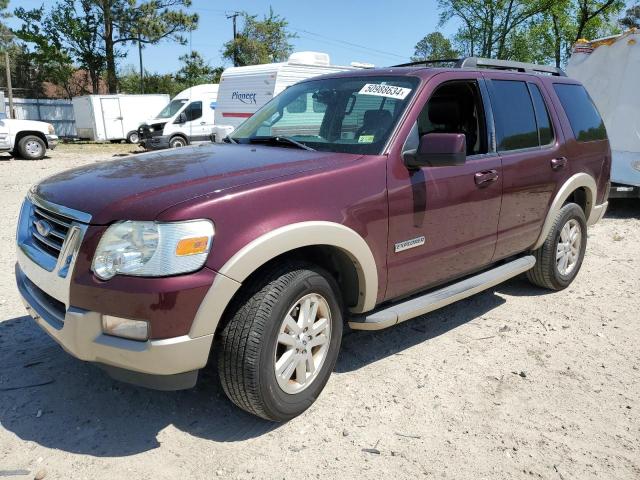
(243,90)
(609,68)
(114,117)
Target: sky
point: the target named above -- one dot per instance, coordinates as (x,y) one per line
(381,32)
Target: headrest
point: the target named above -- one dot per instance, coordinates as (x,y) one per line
(376,118)
(444,111)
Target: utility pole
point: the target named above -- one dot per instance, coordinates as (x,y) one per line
(140,57)
(9,88)
(233,16)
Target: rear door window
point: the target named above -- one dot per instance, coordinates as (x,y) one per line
(514,114)
(545,130)
(586,122)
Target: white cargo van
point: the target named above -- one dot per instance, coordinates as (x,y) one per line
(243,90)
(609,68)
(188,118)
(114,117)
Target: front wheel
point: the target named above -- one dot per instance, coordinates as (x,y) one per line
(177,142)
(133,137)
(560,257)
(281,342)
(31,147)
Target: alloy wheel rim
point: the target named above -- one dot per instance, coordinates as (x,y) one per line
(568,248)
(33,148)
(303,343)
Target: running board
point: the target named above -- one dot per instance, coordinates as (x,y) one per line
(414,307)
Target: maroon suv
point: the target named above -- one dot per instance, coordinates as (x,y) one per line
(368,197)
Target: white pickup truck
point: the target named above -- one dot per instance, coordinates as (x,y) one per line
(27,139)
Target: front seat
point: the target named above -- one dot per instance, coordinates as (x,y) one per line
(376,123)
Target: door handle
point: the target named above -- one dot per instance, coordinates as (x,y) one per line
(203,123)
(558,163)
(485,178)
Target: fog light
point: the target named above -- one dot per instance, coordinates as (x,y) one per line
(125,328)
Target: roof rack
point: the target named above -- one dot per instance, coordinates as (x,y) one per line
(477,62)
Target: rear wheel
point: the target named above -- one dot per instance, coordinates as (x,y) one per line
(31,147)
(281,342)
(177,142)
(559,259)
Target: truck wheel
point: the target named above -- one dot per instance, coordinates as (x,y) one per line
(31,147)
(559,259)
(177,142)
(281,342)
(133,137)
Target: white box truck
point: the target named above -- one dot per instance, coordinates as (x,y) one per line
(188,118)
(114,117)
(609,68)
(243,90)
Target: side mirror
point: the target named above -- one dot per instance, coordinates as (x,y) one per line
(182,118)
(438,150)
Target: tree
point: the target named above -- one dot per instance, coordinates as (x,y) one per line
(129,82)
(195,70)
(631,18)
(61,36)
(488,25)
(261,41)
(149,22)
(434,46)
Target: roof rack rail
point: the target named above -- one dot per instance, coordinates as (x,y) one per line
(477,62)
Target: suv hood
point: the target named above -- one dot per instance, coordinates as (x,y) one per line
(140,187)
(16,125)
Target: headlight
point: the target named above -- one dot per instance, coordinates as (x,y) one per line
(151,249)
(51,129)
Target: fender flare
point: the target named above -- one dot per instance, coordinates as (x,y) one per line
(258,252)
(579,180)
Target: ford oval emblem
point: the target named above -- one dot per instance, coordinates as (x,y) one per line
(43,227)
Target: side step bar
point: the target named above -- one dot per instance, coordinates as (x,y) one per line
(416,306)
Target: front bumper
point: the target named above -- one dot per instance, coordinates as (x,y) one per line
(52,141)
(156,142)
(79,332)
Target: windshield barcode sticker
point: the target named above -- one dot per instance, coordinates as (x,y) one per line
(385,91)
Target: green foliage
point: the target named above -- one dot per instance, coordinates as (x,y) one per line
(148,22)
(541,31)
(69,32)
(631,18)
(260,41)
(194,71)
(434,46)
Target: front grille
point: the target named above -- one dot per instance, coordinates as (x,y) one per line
(55,234)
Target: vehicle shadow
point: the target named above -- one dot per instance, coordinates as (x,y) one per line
(623,208)
(50,398)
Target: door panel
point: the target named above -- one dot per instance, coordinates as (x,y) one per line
(531,176)
(112,117)
(455,208)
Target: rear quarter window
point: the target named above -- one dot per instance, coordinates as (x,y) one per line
(586,122)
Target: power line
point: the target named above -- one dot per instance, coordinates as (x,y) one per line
(351,44)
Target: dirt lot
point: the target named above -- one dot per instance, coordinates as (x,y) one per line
(512,383)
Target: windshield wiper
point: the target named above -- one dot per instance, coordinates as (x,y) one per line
(281,140)
(229,139)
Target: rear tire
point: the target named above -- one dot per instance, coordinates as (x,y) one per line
(271,366)
(31,147)
(560,257)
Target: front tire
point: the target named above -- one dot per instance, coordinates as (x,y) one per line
(177,142)
(133,137)
(560,257)
(32,147)
(281,342)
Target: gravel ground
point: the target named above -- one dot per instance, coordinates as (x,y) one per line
(513,383)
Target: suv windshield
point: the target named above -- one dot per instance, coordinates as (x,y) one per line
(172,108)
(348,114)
